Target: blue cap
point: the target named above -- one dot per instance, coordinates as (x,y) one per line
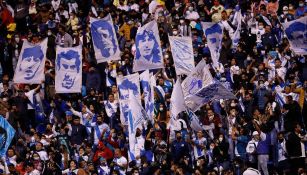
(273,54)
(68,113)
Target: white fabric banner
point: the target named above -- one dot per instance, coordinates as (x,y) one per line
(125,85)
(236,36)
(199,77)
(148,91)
(296,32)
(214,36)
(104,39)
(177,103)
(182,52)
(148,53)
(135,120)
(68,70)
(31,63)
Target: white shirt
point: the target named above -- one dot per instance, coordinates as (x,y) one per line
(282,151)
(192,15)
(122,161)
(251,146)
(43,155)
(198,152)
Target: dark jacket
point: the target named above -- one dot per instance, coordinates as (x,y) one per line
(293,145)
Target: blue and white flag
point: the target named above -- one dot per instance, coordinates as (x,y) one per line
(177,104)
(296,32)
(31,63)
(148,92)
(195,124)
(237,21)
(7,133)
(214,91)
(214,36)
(125,85)
(104,39)
(148,53)
(135,120)
(199,77)
(182,52)
(68,70)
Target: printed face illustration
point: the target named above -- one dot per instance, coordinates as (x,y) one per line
(31,60)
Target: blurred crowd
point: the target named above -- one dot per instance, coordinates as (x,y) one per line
(262,130)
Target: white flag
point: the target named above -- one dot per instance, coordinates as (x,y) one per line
(148,53)
(68,70)
(236,36)
(296,32)
(125,85)
(177,104)
(147,86)
(104,39)
(135,120)
(199,77)
(214,36)
(31,63)
(182,52)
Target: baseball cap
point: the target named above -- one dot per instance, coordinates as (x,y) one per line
(255,133)
(251,171)
(68,113)
(285,8)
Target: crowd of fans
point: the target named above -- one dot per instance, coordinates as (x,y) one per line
(263,129)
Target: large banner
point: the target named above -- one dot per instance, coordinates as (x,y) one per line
(125,85)
(182,52)
(148,91)
(214,36)
(104,39)
(7,133)
(214,91)
(148,53)
(31,63)
(135,120)
(296,32)
(199,77)
(68,70)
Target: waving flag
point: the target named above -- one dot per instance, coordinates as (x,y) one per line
(104,39)
(31,63)
(182,52)
(68,70)
(214,91)
(296,32)
(199,77)
(195,124)
(135,120)
(148,53)
(237,21)
(7,133)
(148,91)
(125,85)
(214,35)
(177,104)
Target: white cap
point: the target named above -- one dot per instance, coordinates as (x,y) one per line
(255,133)
(251,171)
(285,8)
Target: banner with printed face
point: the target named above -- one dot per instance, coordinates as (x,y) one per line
(148,53)
(104,39)
(31,63)
(125,85)
(68,70)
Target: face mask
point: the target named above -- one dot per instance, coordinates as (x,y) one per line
(190,9)
(248,58)
(36,158)
(175,33)
(260,27)
(177,5)
(232,104)
(285,12)
(211,147)
(301,5)
(221,139)
(49,33)
(166,56)
(261,86)
(263,52)
(290,8)
(161,109)
(223,79)
(181,21)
